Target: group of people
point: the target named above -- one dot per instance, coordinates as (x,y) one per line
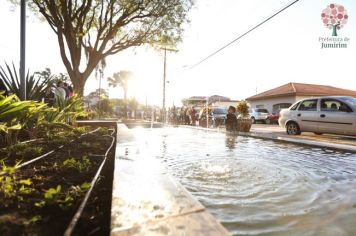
(62,91)
(189,116)
(183,116)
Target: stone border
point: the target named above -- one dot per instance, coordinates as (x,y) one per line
(146,200)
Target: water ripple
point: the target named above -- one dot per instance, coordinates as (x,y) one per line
(260,187)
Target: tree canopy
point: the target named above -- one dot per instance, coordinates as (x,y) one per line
(90,30)
(121,79)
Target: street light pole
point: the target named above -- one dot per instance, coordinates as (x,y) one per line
(164,82)
(23,50)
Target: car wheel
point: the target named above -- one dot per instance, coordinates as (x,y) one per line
(293,128)
(253,120)
(318,133)
(267,121)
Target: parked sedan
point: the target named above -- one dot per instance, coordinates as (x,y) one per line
(334,115)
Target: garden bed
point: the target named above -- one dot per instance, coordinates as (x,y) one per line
(41,198)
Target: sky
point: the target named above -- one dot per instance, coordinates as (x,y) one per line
(285,49)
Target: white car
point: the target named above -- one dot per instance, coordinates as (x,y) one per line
(259,114)
(334,115)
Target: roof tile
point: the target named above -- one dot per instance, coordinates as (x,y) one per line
(299,89)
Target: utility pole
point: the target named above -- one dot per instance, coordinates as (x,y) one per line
(164,86)
(164,82)
(23,50)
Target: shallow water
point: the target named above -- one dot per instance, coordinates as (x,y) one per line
(259,187)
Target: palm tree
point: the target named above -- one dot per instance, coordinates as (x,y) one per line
(121,79)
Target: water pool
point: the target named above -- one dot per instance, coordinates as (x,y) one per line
(255,186)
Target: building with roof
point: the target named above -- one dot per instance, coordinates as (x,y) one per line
(201,100)
(284,96)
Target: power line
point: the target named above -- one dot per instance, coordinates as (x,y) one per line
(244,34)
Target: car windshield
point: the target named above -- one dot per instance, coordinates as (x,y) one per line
(219,111)
(262,110)
(349,100)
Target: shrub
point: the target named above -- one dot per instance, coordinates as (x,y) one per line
(242,108)
(36,84)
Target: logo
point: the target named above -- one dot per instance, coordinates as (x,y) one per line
(334,17)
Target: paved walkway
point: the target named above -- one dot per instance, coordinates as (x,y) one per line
(327,138)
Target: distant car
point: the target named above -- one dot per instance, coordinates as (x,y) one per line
(217,116)
(334,115)
(259,114)
(273,118)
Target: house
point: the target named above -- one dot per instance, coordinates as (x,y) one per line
(284,96)
(214,100)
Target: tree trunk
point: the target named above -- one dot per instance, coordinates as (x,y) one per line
(334,30)
(78,78)
(78,85)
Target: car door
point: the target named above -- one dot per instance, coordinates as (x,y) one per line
(336,117)
(307,115)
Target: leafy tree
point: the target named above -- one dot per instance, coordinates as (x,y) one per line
(99,28)
(133,104)
(103,93)
(121,79)
(46,74)
(105,106)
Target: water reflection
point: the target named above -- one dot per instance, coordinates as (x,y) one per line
(230,140)
(260,187)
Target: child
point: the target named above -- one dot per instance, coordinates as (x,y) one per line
(231,120)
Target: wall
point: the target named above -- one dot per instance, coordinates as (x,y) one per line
(268,103)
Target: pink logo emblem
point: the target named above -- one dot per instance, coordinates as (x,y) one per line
(334,17)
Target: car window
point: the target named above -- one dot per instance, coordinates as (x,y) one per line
(262,110)
(294,107)
(308,105)
(219,111)
(349,100)
(333,105)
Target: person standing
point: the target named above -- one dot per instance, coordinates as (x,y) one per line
(60,92)
(187,116)
(182,116)
(65,87)
(50,97)
(192,115)
(71,91)
(231,120)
